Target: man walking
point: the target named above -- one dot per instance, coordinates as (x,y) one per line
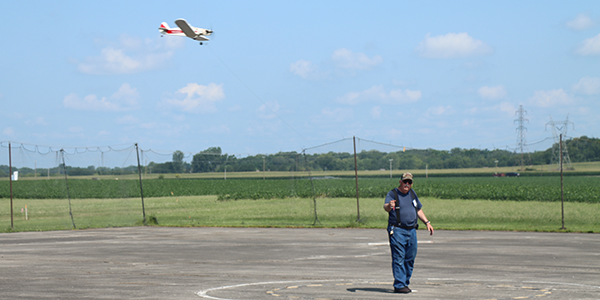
(404,208)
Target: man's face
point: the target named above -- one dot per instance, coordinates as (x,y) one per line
(405,185)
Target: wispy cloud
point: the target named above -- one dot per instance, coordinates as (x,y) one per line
(268,110)
(452,45)
(588,86)
(492,92)
(502,107)
(342,61)
(508,108)
(551,98)
(219,129)
(376,112)
(115,61)
(124,99)
(76,129)
(8,131)
(126,95)
(379,94)
(346,59)
(439,110)
(305,69)
(129,55)
(589,47)
(337,114)
(128,119)
(197,98)
(581,22)
(36,122)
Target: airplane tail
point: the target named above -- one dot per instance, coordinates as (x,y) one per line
(164,25)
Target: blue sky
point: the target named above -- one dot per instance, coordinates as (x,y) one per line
(288,75)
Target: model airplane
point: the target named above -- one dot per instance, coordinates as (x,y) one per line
(185,29)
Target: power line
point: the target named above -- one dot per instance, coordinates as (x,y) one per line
(326,144)
(538,142)
(387,144)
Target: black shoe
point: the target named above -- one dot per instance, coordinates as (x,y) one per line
(404,290)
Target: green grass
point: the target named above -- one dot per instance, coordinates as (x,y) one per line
(525,204)
(188,211)
(512,215)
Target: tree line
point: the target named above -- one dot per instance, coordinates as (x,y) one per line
(581,149)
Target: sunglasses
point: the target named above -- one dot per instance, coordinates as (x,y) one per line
(407,181)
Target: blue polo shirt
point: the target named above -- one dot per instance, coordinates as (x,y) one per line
(407,203)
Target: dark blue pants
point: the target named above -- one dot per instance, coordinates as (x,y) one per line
(403,244)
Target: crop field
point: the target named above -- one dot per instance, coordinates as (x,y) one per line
(576,189)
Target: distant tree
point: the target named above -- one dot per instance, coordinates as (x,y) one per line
(207,160)
(178,161)
(76,171)
(583,149)
(329,161)
(167,167)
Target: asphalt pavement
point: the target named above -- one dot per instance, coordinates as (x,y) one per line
(293,263)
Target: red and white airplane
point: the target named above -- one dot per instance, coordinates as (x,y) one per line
(185,29)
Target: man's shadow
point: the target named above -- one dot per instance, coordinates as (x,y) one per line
(375,290)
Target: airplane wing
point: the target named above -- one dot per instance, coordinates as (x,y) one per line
(201,38)
(185,27)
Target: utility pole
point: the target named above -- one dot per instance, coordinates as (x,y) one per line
(225,167)
(496,161)
(356,179)
(562,197)
(137,152)
(12,226)
(64,163)
(391,159)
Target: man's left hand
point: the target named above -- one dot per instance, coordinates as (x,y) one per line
(429,228)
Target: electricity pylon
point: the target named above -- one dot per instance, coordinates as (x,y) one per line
(559,128)
(521,129)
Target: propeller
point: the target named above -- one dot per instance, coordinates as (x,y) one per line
(210,31)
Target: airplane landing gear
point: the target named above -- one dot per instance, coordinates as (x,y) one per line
(200,43)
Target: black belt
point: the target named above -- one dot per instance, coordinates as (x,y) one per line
(416,226)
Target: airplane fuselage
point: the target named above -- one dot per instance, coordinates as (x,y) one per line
(199,34)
